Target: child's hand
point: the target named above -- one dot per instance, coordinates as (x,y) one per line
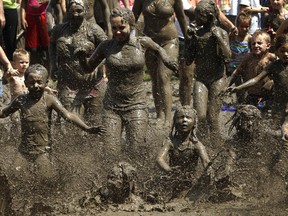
(96,130)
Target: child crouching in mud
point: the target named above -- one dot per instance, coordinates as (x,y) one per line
(35,112)
(182,149)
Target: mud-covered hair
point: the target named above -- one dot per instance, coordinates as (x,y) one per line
(243,113)
(243,16)
(262,33)
(126,14)
(208,7)
(193,112)
(36,68)
(281,40)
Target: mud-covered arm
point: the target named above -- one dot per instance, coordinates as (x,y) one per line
(250,82)
(55,104)
(283,28)
(106,14)
(223,42)
(239,70)
(163,155)
(148,43)
(178,7)
(53,54)
(11,108)
(203,154)
(95,59)
(137,9)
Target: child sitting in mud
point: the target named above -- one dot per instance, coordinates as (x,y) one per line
(278,71)
(35,112)
(252,65)
(209,48)
(183,147)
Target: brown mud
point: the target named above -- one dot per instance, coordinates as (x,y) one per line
(256,184)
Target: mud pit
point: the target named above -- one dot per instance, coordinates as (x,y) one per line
(257,183)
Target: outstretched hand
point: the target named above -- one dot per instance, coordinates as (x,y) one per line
(100,130)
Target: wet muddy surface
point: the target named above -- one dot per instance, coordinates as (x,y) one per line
(255,183)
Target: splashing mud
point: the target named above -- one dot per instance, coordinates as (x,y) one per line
(250,176)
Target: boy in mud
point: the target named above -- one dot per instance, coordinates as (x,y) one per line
(252,65)
(35,110)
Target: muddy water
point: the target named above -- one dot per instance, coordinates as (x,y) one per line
(256,184)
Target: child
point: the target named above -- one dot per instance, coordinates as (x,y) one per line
(35,110)
(209,47)
(183,148)
(252,65)
(278,71)
(239,44)
(15,78)
(33,20)
(277,15)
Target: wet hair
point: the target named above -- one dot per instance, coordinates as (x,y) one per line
(193,113)
(20,52)
(281,40)
(264,34)
(36,68)
(244,113)
(243,16)
(126,14)
(209,7)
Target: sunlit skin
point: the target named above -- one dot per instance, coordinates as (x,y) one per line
(243,27)
(21,63)
(120,29)
(259,45)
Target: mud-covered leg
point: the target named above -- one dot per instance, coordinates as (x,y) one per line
(214,106)
(45,169)
(200,100)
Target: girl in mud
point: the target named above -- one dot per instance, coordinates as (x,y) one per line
(124,100)
(277,71)
(209,48)
(159,25)
(183,147)
(77,90)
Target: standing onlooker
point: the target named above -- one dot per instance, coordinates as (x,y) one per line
(10,28)
(253,7)
(33,20)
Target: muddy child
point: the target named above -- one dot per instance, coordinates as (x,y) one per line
(278,71)
(35,112)
(209,49)
(252,65)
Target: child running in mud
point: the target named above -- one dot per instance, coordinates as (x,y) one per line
(278,71)
(209,47)
(35,110)
(251,66)
(183,147)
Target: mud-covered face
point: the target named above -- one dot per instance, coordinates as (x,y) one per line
(115,181)
(36,83)
(76,15)
(120,28)
(201,17)
(259,45)
(185,121)
(282,53)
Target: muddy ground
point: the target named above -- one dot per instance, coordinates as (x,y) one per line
(256,186)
